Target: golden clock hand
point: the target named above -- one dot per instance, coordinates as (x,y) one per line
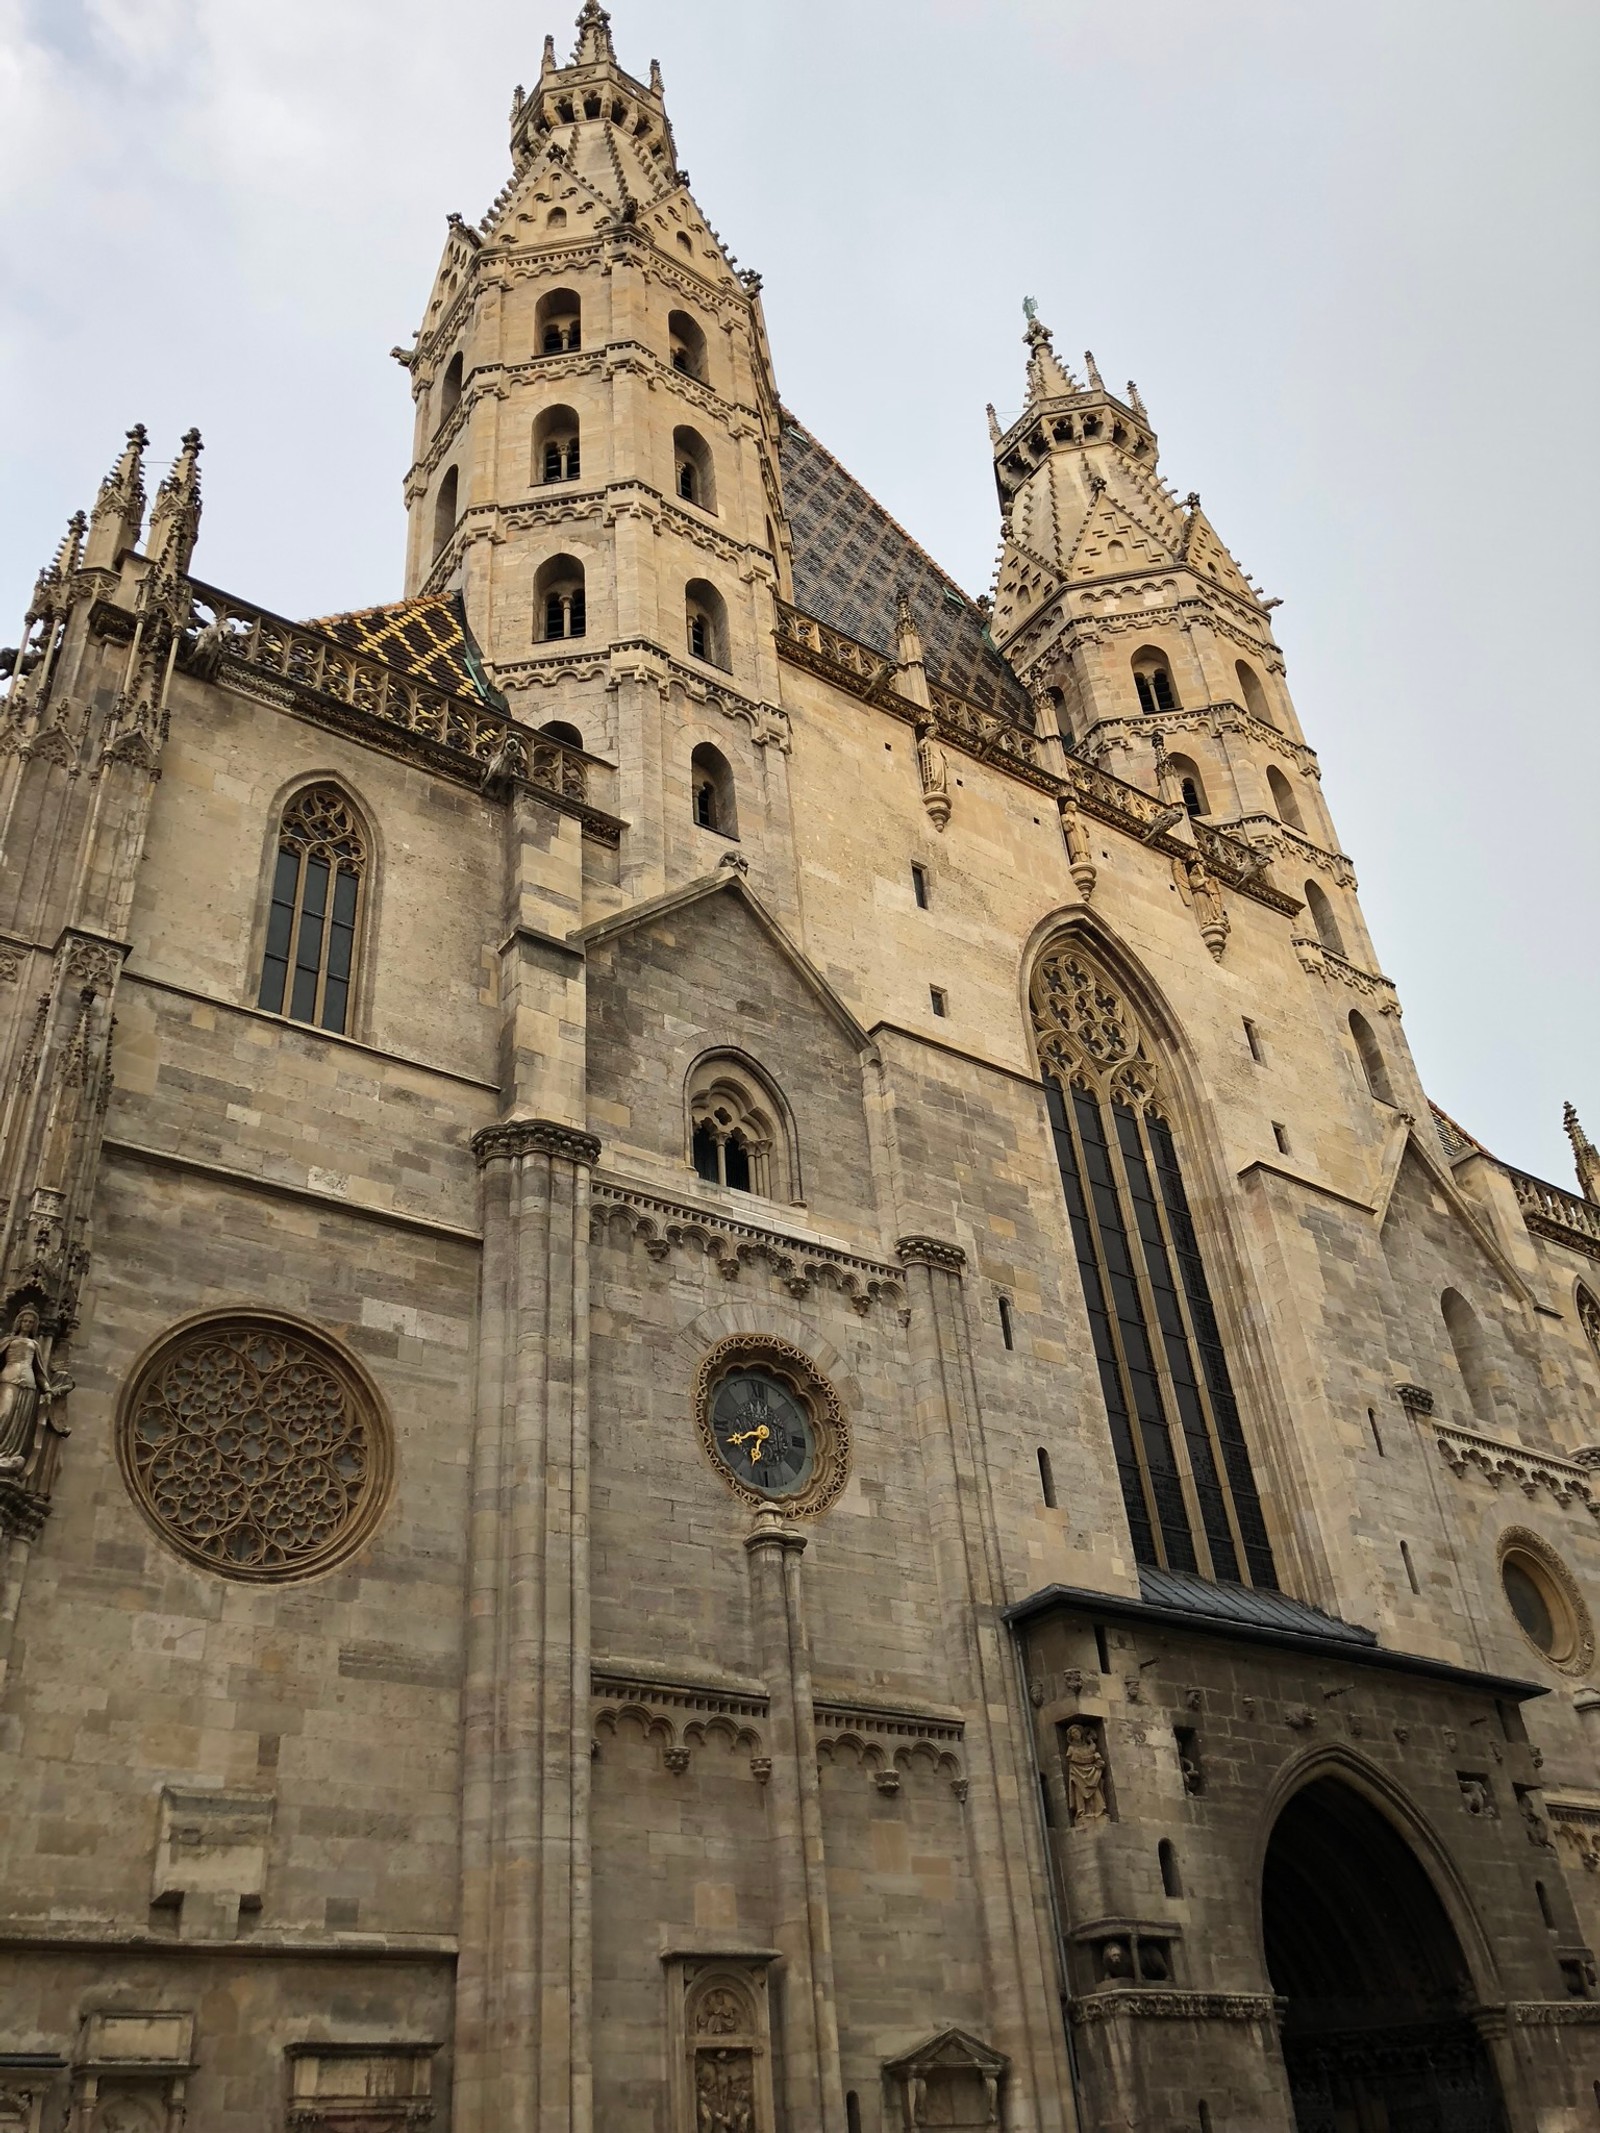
(758,1437)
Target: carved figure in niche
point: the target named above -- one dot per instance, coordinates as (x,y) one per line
(1115,1960)
(1477,1799)
(124,2114)
(1086,1776)
(934,768)
(25,1386)
(725,2099)
(719,2014)
(1537,1827)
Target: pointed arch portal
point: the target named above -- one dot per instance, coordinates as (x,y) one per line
(1376,2034)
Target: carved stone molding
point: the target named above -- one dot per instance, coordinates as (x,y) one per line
(1568,1481)
(1579,1829)
(888,1744)
(931,1252)
(518,1137)
(664,1226)
(1132,2003)
(1563,1217)
(1536,2014)
(1322,962)
(679,1717)
(1415,1399)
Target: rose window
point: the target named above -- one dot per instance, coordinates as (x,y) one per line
(255,1449)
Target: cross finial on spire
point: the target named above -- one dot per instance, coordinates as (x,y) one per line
(1093,369)
(118,515)
(1585,1155)
(594,36)
(175,521)
(1048,377)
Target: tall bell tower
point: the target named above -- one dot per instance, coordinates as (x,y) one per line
(1148,649)
(596,457)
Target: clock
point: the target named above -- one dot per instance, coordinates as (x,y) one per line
(763,1433)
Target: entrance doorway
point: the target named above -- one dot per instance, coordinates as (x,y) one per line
(1376,2037)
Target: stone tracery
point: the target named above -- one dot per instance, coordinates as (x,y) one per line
(254,1450)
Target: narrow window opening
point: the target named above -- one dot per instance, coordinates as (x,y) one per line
(686,481)
(1007,1331)
(562,600)
(1545,1911)
(1046,1805)
(1252,1037)
(1167,1853)
(1153,679)
(940,999)
(711,787)
(1281,1135)
(1100,1651)
(1283,799)
(445,512)
(705,1154)
(1205,2116)
(1411,1573)
(687,345)
(450,388)
(1377,1434)
(1191,797)
(1047,1480)
(1255,696)
(706,623)
(852,2112)
(1323,919)
(1187,1741)
(1373,1065)
(699,636)
(919,885)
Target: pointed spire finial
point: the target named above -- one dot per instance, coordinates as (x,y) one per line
(1135,402)
(547,63)
(656,87)
(1093,370)
(1048,377)
(995,431)
(1585,1155)
(118,516)
(175,520)
(594,37)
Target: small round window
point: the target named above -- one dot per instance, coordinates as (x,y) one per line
(1540,1592)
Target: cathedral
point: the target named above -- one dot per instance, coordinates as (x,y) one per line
(742,1386)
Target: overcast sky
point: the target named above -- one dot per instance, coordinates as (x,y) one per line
(1348,252)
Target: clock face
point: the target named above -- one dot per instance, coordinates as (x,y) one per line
(763,1433)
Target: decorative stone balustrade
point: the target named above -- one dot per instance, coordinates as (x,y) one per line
(1564,1217)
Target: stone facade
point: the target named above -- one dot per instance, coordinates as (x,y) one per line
(490,1079)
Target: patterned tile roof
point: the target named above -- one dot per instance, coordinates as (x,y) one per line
(1455,1140)
(427,639)
(850,561)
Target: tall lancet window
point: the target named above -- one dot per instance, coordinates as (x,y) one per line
(308,967)
(1179,1444)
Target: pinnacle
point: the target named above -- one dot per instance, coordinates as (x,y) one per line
(594,46)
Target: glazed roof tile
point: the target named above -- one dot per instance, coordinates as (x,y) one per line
(426,638)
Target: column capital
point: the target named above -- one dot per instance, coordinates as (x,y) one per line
(516,1137)
(769,1531)
(931,1251)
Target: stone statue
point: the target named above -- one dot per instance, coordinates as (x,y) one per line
(25,1387)
(1086,1777)
(934,769)
(724,2093)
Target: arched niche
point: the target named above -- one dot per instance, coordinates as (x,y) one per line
(1285,799)
(446,510)
(686,345)
(694,472)
(711,791)
(1252,692)
(558,323)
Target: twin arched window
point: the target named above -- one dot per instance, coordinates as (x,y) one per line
(706,622)
(1179,1444)
(560,599)
(1152,677)
(687,345)
(308,964)
(556,455)
(694,471)
(558,323)
(711,791)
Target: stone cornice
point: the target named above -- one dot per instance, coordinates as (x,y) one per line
(1267,832)
(931,1252)
(1322,962)
(1222,717)
(515,1138)
(1537,2014)
(1147,2004)
(1567,1481)
(800,1263)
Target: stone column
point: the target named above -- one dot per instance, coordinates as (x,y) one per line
(523,1994)
(812,2084)
(1020,1958)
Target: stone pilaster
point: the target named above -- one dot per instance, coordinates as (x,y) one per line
(812,2085)
(1019,1958)
(523,2028)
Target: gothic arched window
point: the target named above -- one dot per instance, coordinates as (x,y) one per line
(308,967)
(558,323)
(1179,1443)
(711,784)
(1152,677)
(560,602)
(738,1129)
(556,455)
(694,468)
(706,622)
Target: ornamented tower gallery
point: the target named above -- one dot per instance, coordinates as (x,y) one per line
(742,1388)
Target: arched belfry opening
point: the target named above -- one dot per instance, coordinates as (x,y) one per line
(1377,2031)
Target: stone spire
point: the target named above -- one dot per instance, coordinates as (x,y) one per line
(594,47)
(1096,382)
(175,521)
(118,516)
(1048,377)
(1584,1152)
